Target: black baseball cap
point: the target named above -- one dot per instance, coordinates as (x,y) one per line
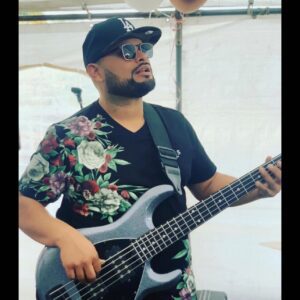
(105,35)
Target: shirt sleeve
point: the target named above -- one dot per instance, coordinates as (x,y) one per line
(45,176)
(202,167)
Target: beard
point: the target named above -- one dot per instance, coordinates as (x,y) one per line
(127,88)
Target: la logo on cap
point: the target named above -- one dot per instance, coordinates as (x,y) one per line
(129,27)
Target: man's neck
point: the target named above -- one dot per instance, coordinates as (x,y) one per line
(128,112)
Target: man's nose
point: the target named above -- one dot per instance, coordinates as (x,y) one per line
(140,56)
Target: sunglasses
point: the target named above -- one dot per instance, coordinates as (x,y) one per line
(128,51)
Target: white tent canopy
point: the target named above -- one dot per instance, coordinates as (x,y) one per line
(59,44)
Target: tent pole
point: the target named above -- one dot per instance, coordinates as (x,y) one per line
(178,17)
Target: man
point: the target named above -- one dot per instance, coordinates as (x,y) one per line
(103,158)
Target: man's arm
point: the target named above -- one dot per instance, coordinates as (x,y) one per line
(79,256)
(270,188)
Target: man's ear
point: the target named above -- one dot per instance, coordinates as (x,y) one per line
(95,72)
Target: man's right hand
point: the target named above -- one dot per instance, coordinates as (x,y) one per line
(79,257)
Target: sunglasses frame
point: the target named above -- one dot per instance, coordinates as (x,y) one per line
(120,50)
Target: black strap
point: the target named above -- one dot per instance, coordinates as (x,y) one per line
(168,155)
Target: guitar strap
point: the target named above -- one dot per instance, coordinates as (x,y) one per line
(168,156)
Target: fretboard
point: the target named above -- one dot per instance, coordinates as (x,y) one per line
(160,238)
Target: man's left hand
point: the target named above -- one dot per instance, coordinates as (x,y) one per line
(272,185)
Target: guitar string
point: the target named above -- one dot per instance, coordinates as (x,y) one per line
(218,208)
(105,282)
(150,240)
(132,263)
(197,208)
(208,201)
(183,226)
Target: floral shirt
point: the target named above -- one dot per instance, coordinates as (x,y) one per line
(102,169)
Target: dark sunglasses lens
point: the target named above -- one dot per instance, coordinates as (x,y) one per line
(147,48)
(128,51)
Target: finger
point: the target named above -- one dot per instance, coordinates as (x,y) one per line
(276,172)
(269,158)
(263,189)
(279,164)
(89,272)
(97,264)
(80,273)
(267,177)
(70,273)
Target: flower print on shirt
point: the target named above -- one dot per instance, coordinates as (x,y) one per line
(91,154)
(37,168)
(186,287)
(77,158)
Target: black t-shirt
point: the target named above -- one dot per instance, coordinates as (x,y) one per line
(102,169)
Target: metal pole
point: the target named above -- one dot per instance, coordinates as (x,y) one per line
(178,18)
(200,12)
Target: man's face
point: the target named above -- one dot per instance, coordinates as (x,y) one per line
(128,78)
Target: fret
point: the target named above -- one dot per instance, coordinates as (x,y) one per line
(144,246)
(223,197)
(252,177)
(177,226)
(229,194)
(187,225)
(155,241)
(149,244)
(172,231)
(194,210)
(166,234)
(216,203)
(211,205)
(255,173)
(207,207)
(198,207)
(234,193)
(238,188)
(219,199)
(138,252)
(222,200)
(248,184)
(257,176)
(191,217)
(243,185)
(161,238)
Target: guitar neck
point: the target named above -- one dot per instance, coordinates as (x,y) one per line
(160,238)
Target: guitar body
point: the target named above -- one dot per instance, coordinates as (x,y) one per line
(52,282)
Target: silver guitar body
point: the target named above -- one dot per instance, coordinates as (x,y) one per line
(134,223)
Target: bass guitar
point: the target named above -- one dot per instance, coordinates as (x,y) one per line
(140,241)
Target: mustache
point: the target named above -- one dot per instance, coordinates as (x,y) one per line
(142,64)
